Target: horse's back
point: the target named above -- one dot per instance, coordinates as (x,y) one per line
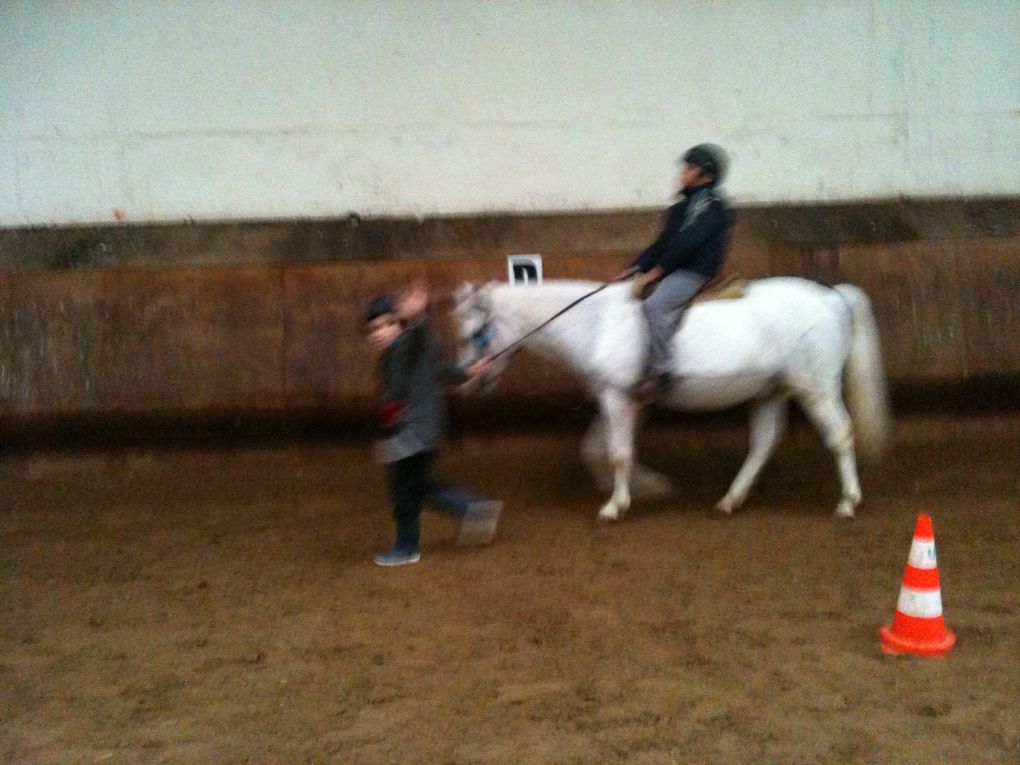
(789,299)
(745,344)
(758,333)
(789,285)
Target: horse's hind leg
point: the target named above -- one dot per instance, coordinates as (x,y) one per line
(620,414)
(829,415)
(768,422)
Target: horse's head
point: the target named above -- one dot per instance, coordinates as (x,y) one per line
(477,334)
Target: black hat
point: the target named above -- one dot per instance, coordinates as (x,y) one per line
(709,158)
(380,306)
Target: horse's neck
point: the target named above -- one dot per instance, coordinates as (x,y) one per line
(571,336)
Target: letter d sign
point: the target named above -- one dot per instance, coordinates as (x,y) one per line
(524,269)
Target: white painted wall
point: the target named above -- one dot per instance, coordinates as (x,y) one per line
(292,108)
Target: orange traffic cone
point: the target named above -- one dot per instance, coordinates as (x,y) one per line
(918,626)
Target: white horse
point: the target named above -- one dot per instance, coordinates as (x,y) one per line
(785,338)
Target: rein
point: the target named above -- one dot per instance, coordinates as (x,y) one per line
(552,318)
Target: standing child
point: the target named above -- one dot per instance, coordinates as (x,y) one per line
(412,420)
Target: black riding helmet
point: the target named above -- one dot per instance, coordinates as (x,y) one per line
(709,158)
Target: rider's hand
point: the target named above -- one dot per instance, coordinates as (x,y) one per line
(624,275)
(644,283)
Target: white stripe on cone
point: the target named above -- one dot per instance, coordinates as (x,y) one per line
(922,553)
(922,604)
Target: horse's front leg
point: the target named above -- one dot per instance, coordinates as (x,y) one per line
(620,414)
(595,451)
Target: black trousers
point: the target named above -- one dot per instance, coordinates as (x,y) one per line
(409,485)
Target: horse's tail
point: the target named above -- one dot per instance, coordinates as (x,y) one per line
(864,377)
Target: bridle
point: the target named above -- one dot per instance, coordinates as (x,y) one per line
(481,339)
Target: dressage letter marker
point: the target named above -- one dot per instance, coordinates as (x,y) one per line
(524,269)
(918,626)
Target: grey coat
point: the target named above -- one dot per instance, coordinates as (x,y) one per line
(412,414)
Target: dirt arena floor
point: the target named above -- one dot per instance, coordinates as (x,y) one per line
(219,605)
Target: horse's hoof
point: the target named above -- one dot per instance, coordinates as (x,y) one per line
(844,510)
(609,513)
(724,506)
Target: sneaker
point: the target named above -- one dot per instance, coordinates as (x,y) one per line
(397,557)
(478,526)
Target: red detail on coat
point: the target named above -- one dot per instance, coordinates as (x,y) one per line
(390,414)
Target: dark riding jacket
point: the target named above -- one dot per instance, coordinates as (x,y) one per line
(695,235)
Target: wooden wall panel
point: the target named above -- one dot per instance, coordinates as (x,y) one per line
(8,350)
(280,335)
(146,341)
(990,294)
(915,292)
